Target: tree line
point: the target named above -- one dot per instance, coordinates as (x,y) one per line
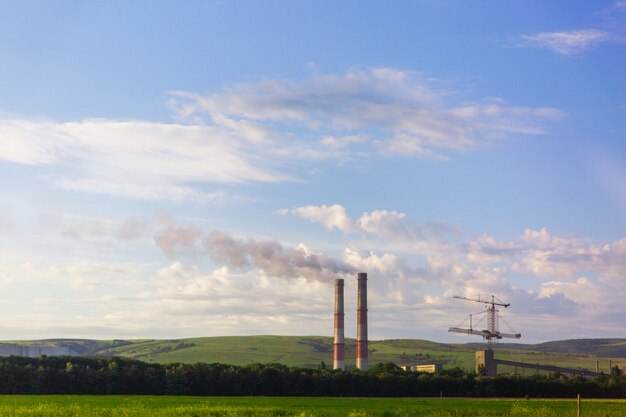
(115,375)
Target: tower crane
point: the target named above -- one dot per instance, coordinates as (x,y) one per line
(492,333)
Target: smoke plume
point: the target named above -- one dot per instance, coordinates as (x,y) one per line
(273,258)
(172,238)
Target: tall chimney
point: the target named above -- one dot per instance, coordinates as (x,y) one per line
(361,323)
(338,358)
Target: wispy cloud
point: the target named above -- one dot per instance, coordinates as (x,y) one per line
(136,159)
(388,111)
(566,43)
(263,132)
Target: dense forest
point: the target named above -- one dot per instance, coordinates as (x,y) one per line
(80,375)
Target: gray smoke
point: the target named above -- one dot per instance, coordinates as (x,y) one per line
(172,238)
(270,256)
(273,258)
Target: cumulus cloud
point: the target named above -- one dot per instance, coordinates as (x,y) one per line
(547,255)
(382,223)
(387,264)
(582,290)
(268,286)
(566,43)
(224,301)
(251,289)
(613,256)
(544,275)
(182,300)
(332,217)
(544,255)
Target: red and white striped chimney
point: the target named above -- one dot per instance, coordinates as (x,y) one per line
(361,322)
(338,359)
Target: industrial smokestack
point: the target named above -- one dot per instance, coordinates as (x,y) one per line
(338,359)
(361,323)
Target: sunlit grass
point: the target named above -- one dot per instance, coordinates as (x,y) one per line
(96,406)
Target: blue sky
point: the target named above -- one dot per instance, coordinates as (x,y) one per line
(210,168)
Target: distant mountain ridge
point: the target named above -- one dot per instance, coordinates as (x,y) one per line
(312,351)
(596,347)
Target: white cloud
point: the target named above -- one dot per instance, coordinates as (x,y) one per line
(92,271)
(547,255)
(245,290)
(331,217)
(537,252)
(408,116)
(263,132)
(136,159)
(392,225)
(226,302)
(386,265)
(248,286)
(486,250)
(613,257)
(541,274)
(566,43)
(582,291)
(150,192)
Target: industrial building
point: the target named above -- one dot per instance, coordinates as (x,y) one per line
(431,369)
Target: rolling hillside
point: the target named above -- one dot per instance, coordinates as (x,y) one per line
(311,351)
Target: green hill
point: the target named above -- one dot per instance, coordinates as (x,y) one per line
(597,347)
(311,351)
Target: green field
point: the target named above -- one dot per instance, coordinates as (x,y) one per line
(139,406)
(311,351)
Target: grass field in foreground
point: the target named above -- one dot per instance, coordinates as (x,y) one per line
(139,406)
